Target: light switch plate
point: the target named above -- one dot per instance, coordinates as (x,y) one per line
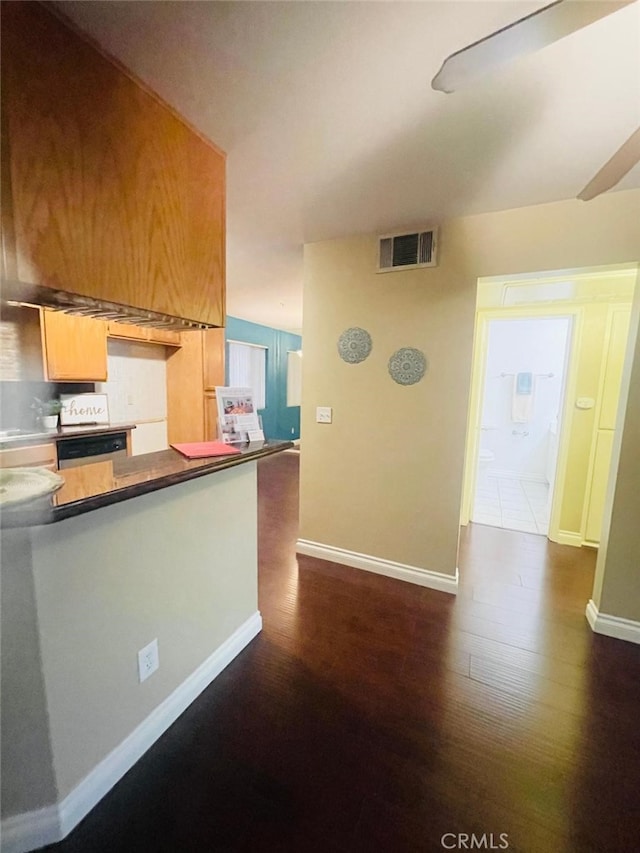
(324,414)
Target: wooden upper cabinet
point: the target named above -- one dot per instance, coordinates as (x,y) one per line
(74,348)
(114,195)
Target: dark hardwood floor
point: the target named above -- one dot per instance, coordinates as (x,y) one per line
(375,716)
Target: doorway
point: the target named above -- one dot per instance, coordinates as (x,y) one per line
(525,365)
(506,483)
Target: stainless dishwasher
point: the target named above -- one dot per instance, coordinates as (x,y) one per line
(91,448)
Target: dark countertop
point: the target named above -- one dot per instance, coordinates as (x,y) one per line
(40,436)
(89,487)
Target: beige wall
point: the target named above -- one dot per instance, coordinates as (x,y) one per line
(385,478)
(378,481)
(179,565)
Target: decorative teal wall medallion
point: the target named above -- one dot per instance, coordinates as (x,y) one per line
(407,366)
(354,345)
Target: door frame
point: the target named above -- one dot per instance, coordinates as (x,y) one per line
(574,313)
(614,308)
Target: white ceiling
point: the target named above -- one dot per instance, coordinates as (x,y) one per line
(326,112)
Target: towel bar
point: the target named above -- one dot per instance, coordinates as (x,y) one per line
(545,375)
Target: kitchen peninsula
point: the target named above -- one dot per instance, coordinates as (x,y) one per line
(113,210)
(128,478)
(168,553)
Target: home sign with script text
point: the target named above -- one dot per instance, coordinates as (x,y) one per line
(84,409)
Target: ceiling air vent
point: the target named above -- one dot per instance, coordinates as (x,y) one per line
(407,251)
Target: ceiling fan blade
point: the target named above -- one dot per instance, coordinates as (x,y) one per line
(614,169)
(526,35)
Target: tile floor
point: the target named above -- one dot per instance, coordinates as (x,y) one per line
(512,504)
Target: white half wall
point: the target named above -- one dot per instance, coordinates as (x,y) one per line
(178,565)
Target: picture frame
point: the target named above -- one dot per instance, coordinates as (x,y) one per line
(84,409)
(238,421)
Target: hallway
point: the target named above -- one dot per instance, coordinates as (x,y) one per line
(375,716)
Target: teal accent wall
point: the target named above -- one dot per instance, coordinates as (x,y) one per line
(278,419)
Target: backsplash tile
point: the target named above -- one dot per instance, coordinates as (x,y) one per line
(137,385)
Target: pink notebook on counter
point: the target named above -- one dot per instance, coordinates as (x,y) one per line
(201,449)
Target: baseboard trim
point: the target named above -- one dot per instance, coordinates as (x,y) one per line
(31,830)
(566,537)
(612,626)
(400,571)
(25,832)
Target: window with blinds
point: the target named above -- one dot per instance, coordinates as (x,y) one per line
(247,368)
(294,377)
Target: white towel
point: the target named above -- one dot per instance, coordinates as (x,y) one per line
(522,404)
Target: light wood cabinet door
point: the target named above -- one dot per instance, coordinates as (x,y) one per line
(185,400)
(213,376)
(84,481)
(210,416)
(34,456)
(213,356)
(74,348)
(114,196)
(193,372)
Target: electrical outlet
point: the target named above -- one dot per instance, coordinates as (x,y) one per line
(148,661)
(324,414)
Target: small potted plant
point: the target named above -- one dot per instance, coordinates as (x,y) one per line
(47,411)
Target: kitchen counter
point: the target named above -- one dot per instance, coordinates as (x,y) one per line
(99,484)
(39,436)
